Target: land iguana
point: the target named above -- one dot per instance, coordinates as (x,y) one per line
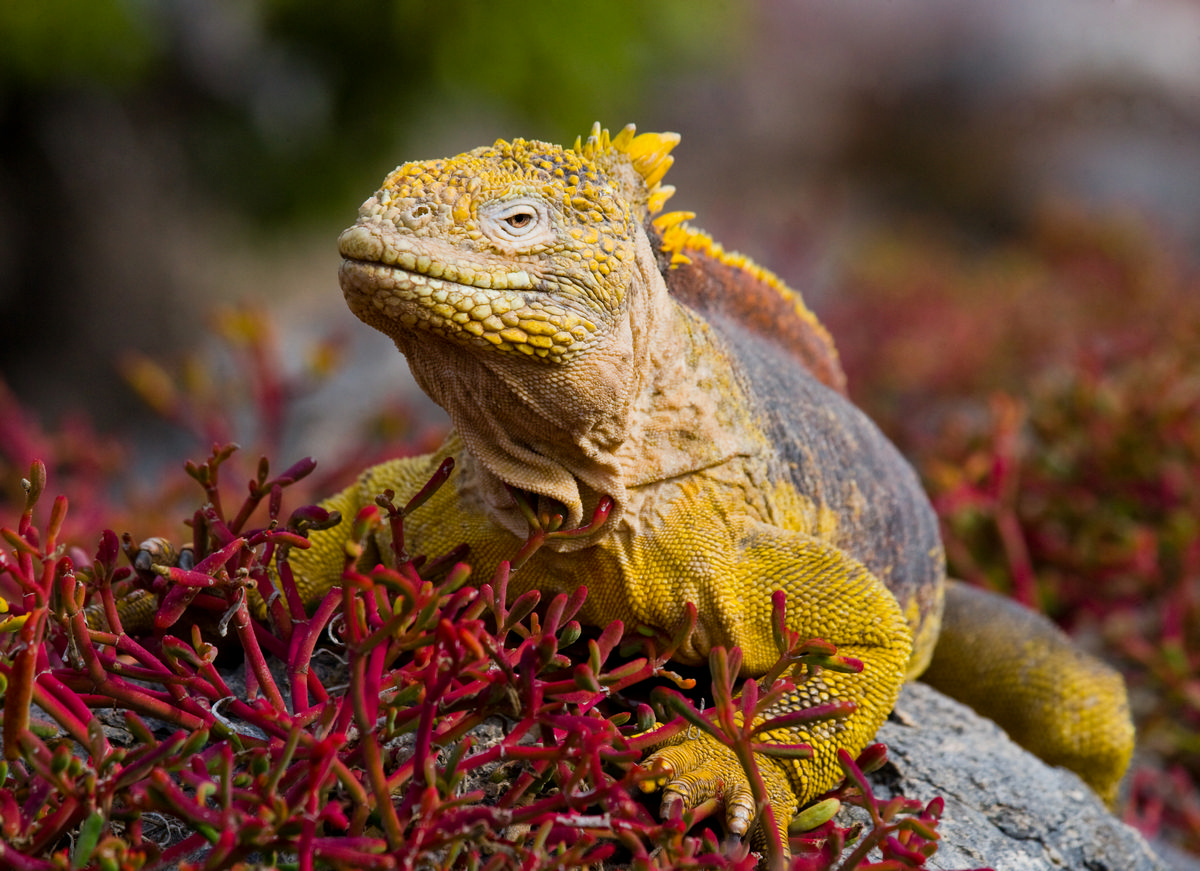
(586,345)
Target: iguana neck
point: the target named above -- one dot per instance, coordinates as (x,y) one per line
(621,416)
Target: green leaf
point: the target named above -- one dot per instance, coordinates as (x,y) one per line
(814,815)
(86,840)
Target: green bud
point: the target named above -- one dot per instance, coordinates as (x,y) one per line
(645,718)
(194,743)
(60,759)
(569,634)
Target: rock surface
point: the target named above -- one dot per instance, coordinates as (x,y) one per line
(1005,809)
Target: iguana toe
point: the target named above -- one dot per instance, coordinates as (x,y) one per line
(701,769)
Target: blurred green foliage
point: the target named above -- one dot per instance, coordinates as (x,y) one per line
(284,105)
(61,42)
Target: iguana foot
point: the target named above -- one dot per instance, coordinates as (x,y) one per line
(701,768)
(136,605)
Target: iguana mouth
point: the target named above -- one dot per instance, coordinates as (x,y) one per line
(411,288)
(364,243)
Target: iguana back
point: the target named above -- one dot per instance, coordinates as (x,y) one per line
(723,285)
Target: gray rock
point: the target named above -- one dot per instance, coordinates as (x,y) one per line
(1005,809)
(1175,858)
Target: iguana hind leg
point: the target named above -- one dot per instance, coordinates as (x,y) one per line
(1017,668)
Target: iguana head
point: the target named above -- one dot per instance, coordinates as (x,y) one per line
(521,248)
(519,282)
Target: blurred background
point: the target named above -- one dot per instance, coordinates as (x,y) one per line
(995,207)
(158,157)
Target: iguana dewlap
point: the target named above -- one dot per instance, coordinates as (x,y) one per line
(585,345)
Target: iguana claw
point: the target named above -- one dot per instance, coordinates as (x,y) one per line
(701,768)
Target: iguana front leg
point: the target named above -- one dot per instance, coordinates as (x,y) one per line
(829,595)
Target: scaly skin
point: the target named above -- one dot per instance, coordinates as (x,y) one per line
(586,345)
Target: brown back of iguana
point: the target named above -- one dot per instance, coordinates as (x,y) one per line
(761,304)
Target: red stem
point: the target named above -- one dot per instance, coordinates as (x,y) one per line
(254,656)
(12,858)
(65,706)
(352,608)
(303,645)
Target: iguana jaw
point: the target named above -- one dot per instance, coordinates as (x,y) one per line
(398,283)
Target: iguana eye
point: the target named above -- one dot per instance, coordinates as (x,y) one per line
(517,219)
(518,222)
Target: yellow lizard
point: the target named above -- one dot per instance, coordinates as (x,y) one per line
(587,344)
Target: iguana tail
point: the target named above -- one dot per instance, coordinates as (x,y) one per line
(1017,668)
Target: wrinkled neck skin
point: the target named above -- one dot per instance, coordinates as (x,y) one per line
(599,425)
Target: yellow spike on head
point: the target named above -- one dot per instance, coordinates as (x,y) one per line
(636,162)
